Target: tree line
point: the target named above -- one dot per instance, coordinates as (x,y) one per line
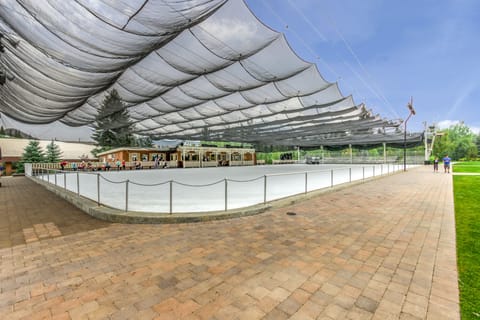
(459,142)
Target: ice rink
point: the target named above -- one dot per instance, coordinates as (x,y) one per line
(208,189)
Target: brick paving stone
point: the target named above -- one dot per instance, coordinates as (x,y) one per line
(356,313)
(383,249)
(366,304)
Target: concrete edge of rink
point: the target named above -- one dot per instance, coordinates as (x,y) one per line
(136,217)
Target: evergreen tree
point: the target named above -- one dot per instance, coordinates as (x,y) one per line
(113,128)
(31,154)
(144,142)
(53,153)
(2,131)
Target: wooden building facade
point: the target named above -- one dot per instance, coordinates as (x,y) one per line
(180,157)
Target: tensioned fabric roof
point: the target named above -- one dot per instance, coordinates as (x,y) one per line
(198,69)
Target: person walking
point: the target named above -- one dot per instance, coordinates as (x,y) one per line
(446,163)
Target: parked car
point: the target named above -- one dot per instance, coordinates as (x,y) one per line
(313,160)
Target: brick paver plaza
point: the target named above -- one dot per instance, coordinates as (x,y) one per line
(384,249)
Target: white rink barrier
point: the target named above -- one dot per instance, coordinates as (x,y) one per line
(132,190)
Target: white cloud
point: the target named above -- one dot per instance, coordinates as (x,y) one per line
(445,124)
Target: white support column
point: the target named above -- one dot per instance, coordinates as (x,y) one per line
(183,156)
(351,153)
(323,155)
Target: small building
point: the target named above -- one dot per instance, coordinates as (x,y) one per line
(180,156)
(209,156)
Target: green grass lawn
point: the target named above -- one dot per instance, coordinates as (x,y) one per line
(473,166)
(467,218)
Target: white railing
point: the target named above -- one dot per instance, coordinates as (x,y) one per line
(174,196)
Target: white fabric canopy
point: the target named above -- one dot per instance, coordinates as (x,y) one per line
(198,69)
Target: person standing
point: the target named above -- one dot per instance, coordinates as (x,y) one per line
(435,165)
(63,164)
(446,163)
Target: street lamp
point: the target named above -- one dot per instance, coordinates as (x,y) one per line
(411,113)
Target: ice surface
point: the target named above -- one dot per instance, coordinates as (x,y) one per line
(208,189)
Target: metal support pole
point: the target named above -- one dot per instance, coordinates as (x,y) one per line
(55,177)
(98,189)
(226,191)
(373,171)
(351,153)
(171,196)
(65,180)
(126,195)
(265,189)
(331,178)
(363,173)
(412,112)
(350,173)
(384,152)
(405,147)
(306,183)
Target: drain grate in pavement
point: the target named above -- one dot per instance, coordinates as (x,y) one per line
(290,213)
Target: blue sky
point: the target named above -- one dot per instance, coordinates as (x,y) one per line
(381,52)
(384,52)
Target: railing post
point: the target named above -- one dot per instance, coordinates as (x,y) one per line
(350,173)
(363,173)
(65,180)
(78,184)
(265,189)
(306,182)
(331,178)
(381,169)
(126,195)
(48,176)
(98,189)
(171,196)
(374,171)
(55,178)
(226,194)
